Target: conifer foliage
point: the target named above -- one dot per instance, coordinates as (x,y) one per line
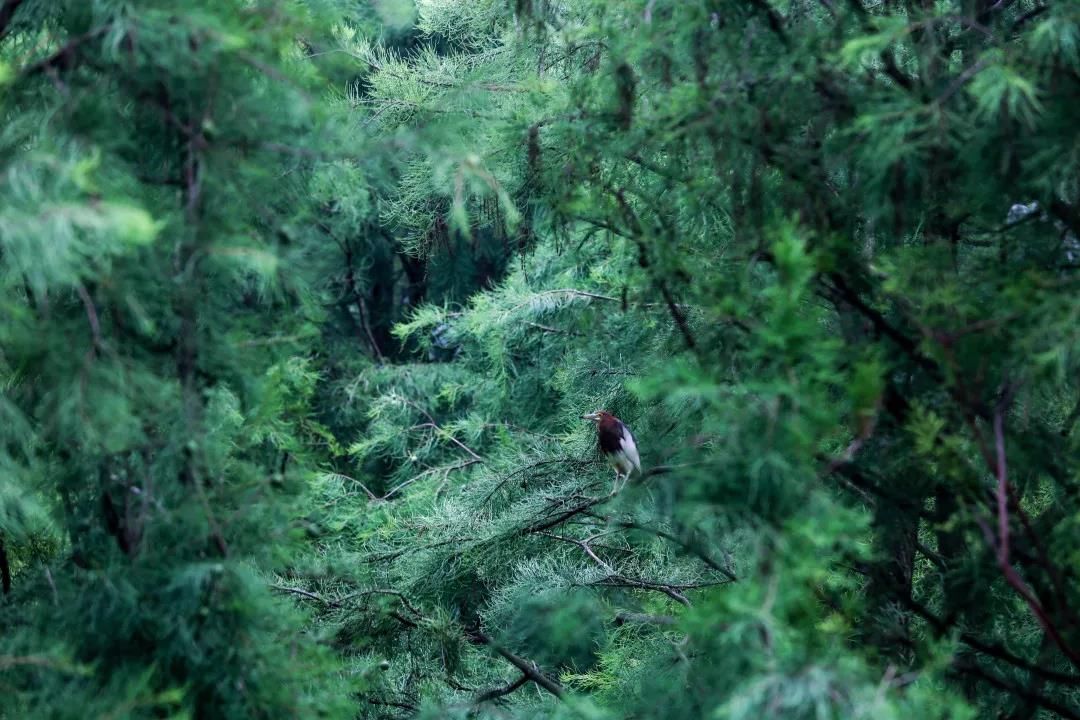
(155,430)
(303,303)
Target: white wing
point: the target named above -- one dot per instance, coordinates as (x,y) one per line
(629,448)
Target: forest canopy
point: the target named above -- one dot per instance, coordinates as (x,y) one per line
(302,303)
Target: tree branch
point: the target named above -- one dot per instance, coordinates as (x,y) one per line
(438,429)
(499,692)
(527,468)
(671,591)
(990,649)
(564,516)
(692,548)
(528,668)
(65,56)
(338,603)
(307,594)
(1012,577)
(1019,690)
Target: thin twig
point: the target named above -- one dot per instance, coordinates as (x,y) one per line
(686,545)
(385,591)
(584,545)
(622,581)
(962,80)
(563,517)
(338,603)
(307,594)
(499,692)
(553,330)
(438,428)
(523,470)
(444,470)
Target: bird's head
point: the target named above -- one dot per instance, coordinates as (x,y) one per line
(596,416)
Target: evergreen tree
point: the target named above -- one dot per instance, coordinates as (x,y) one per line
(303,302)
(155,355)
(773,237)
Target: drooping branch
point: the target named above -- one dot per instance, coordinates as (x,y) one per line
(432,471)
(386,591)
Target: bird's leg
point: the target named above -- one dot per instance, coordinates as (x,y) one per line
(618,485)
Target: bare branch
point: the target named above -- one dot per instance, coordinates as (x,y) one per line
(499,692)
(528,668)
(671,591)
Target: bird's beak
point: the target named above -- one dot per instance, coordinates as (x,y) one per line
(590,416)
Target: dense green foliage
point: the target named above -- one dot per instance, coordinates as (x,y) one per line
(302,303)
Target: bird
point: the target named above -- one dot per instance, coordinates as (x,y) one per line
(617,445)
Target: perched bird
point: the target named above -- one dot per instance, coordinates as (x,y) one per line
(617,445)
